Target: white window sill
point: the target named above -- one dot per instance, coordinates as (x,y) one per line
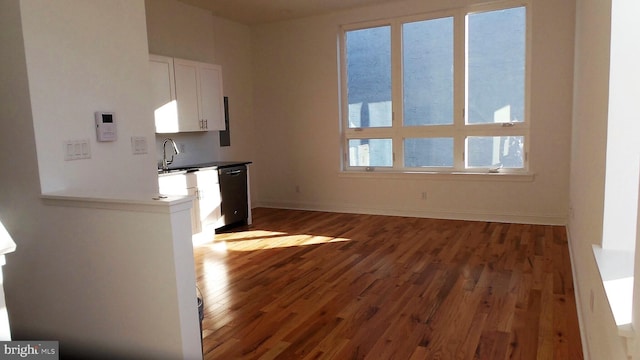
(616,272)
(445,176)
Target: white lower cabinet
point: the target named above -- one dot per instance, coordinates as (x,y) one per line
(195,211)
(209,199)
(204,186)
(182,184)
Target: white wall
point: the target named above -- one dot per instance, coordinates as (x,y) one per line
(179,30)
(99,281)
(296,114)
(78,65)
(623,129)
(587,183)
(233,53)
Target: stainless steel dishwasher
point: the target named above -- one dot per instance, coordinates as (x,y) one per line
(233,190)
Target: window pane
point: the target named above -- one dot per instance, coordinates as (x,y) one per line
(421,152)
(427,59)
(495,151)
(496,66)
(369,77)
(370,152)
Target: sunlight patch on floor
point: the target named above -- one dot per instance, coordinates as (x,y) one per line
(262,239)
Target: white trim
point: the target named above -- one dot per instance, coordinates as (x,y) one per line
(616,269)
(553,219)
(615,265)
(151,204)
(439,176)
(576,293)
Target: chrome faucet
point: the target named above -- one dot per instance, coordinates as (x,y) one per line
(165,162)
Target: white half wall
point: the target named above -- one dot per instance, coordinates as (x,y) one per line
(119,279)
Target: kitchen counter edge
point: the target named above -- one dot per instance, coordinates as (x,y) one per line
(214,165)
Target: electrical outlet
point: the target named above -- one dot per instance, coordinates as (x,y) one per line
(138,145)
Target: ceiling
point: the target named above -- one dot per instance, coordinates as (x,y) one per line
(252,12)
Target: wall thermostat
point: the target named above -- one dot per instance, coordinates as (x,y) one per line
(106,126)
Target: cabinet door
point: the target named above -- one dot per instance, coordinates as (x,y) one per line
(195,211)
(186,78)
(183,184)
(211,96)
(163,95)
(209,196)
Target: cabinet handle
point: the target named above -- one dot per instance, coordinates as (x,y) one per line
(206,123)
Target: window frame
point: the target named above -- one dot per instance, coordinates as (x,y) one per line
(459,130)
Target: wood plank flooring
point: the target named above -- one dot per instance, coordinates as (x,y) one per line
(314,285)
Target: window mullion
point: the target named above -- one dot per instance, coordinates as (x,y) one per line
(460,88)
(396,94)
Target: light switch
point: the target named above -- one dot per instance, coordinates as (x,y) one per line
(84,149)
(68,150)
(77,149)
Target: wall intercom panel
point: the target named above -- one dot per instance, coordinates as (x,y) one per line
(106,129)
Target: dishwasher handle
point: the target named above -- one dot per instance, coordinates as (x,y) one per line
(232,172)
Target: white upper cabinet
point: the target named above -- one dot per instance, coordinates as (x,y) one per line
(194,101)
(186,73)
(163,93)
(211,96)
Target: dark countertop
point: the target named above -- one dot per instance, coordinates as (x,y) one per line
(207,165)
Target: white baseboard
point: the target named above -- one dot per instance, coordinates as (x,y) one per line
(435,214)
(576,294)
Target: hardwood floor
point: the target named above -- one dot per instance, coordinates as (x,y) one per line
(314,285)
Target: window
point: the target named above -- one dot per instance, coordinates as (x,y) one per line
(438,93)
(369,71)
